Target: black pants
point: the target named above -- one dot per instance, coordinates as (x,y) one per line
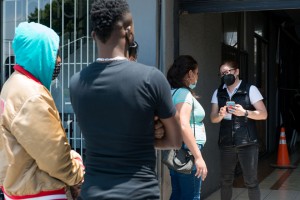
(248,158)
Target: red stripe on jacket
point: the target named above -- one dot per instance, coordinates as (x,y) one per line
(26,73)
(40,194)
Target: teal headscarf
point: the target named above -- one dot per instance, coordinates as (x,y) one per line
(35,47)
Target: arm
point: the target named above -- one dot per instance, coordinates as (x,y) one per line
(217,115)
(3,163)
(184,110)
(260,112)
(172,138)
(45,140)
(160,89)
(159,129)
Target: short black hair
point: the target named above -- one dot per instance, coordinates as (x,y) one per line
(104,15)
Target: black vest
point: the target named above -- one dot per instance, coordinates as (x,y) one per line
(240,130)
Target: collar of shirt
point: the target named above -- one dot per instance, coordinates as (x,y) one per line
(234,91)
(26,73)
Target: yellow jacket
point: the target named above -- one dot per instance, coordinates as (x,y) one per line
(35,155)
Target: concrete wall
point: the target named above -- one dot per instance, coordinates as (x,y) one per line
(200,35)
(166,54)
(167,39)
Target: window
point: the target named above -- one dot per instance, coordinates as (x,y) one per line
(230,28)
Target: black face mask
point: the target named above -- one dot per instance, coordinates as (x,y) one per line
(56,71)
(228,79)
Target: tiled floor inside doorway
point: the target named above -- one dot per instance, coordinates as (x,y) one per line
(275,184)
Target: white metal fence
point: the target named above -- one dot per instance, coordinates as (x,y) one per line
(69,18)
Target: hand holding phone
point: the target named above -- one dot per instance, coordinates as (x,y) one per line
(230,106)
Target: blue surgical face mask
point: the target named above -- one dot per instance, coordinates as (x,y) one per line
(192,86)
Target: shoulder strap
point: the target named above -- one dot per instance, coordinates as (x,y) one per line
(175,91)
(192,110)
(193,118)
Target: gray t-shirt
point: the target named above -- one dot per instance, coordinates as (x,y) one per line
(115,104)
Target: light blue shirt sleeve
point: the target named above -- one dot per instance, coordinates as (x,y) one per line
(182,95)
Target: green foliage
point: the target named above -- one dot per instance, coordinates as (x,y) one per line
(56,16)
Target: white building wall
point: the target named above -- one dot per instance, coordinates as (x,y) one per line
(145,16)
(167,39)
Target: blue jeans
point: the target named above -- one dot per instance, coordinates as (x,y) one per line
(185,186)
(248,158)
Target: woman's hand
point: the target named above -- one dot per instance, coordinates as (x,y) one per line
(239,110)
(222,111)
(201,168)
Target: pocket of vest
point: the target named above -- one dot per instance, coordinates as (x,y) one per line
(242,136)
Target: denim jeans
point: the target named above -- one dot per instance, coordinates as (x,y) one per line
(185,186)
(248,158)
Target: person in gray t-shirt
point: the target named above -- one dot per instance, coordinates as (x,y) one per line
(115,101)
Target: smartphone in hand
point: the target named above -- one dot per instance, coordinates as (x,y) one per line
(230,106)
